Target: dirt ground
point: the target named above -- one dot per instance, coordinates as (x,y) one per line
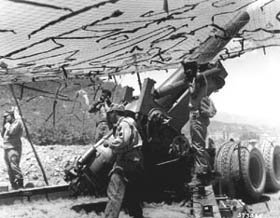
(54,158)
(62,208)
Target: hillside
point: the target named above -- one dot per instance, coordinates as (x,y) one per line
(227,125)
(56,112)
(238,129)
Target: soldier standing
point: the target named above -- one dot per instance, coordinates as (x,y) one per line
(124,184)
(202,109)
(11,134)
(102,106)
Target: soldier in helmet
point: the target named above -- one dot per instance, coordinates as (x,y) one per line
(101,107)
(123,187)
(11,134)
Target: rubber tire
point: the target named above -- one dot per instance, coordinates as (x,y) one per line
(244,178)
(223,162)
(271,154)
(252,170)
(219,157)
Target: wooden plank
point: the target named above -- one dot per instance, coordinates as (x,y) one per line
(199,201)
(48,192)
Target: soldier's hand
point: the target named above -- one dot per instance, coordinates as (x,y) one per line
(106,144)
(7,125)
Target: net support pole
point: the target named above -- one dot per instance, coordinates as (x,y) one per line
(137,72)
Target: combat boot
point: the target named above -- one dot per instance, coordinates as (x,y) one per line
(18,184)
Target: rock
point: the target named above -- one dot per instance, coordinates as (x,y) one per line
(29,185)
(35,177)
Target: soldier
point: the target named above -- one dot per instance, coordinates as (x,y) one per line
(11,134)
(125,176)
(202,109)
(101,106)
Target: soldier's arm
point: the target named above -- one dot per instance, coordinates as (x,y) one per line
(214,110)
(107,105)
(3,127)
(122,138)
(14,128)
(207,107)
(95,107)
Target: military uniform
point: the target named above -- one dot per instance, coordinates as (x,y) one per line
(101,107)
(125,176)
(12,152)
(102,127)
(200,120)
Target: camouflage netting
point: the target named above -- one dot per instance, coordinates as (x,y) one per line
(43,40)
(48,48)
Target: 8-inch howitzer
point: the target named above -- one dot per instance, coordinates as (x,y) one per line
(160,114)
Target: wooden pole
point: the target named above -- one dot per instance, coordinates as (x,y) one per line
(139,81)
(137,72)
(28,135)
(115,80)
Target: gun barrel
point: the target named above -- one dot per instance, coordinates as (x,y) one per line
(204,54)
(169,89)
(217,41)
(91,152)
(180,111)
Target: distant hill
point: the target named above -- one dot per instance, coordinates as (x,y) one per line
(230,118)
(234,118)
(225,126)
(224,130)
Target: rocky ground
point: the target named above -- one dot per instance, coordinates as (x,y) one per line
(61,208)
(54,158)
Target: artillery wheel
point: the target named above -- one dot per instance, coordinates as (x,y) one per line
(271,154)
(242,170)
(252,171)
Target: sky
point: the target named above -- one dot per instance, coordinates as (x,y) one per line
(252,88)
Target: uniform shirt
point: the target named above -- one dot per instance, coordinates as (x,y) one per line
(204,111)
(207,108)
(199,102)
(12,135)
(104,107)
(126,135)
(100,107)
(126,145)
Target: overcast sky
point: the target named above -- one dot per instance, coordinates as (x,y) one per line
(252,86)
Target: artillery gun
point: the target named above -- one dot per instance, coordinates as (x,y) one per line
(167,153)
(160,114)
